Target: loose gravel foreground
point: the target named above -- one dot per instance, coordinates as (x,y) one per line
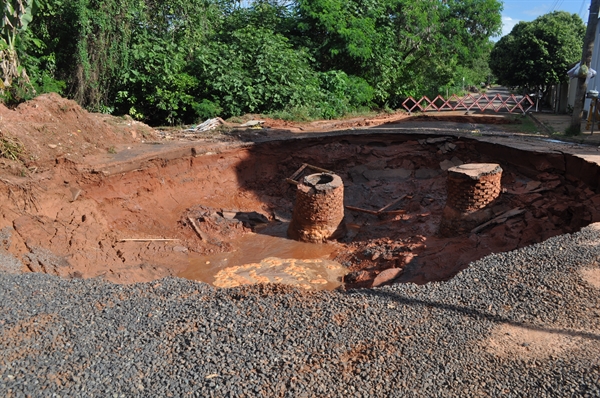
(524,323)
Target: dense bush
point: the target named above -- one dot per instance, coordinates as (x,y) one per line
(180,60)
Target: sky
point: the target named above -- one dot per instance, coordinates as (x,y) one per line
(528,10)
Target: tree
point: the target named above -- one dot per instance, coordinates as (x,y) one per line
(401,47)
(536,55)
(177,60)
(17,14)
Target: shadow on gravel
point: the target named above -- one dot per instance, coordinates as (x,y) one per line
(470,312)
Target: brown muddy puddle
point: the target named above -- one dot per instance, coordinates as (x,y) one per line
(268,256)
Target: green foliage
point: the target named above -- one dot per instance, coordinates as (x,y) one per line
(400,47)
(16,16)
(157,87)
(537,54)
(208,109)
(342,94)
(256,70)
(180,60)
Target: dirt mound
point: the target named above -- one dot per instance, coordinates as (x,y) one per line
(50,127)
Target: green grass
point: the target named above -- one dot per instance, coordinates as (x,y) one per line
(528,125)
(524,124)
(572,131)
(309,114)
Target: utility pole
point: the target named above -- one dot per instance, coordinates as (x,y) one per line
(586,59)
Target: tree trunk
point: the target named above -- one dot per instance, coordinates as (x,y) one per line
(586,59)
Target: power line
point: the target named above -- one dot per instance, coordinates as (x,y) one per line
(559,3)
(581,8)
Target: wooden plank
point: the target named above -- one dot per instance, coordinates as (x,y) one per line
(297,173)
(315,168)
(392,212)
(391,204)
(196,229)
(147,240)
(293,178)
(352,208)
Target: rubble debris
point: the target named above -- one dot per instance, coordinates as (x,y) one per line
(253,123)
(217,228)
(387,276)
(498,220)
(447,147)
(437,140)
(208,125)
(249,219)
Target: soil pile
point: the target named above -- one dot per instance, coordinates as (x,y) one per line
(50,127)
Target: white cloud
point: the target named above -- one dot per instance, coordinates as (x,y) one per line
(507,24)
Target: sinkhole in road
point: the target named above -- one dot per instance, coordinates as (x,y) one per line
(222,216)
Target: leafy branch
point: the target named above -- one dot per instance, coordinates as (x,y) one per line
(17,14)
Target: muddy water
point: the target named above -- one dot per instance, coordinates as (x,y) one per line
(269,256)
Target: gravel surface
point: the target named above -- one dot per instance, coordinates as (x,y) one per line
(524,323)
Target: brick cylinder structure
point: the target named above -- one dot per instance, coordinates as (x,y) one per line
(319,210)
(471,187)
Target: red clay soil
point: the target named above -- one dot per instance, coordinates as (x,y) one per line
(51,127)
(60,217)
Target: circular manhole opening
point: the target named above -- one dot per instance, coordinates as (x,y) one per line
(318,179)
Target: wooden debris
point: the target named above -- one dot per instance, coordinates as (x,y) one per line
(196,229)
(375,212)
(499,220)
(147,240)
(391,204)
(393,212)
(352,208)
(293,179)
(383,210)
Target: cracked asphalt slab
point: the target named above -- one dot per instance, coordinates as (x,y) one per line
(519,324)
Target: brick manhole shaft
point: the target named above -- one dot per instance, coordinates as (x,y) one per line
(319,209)
(471,187)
